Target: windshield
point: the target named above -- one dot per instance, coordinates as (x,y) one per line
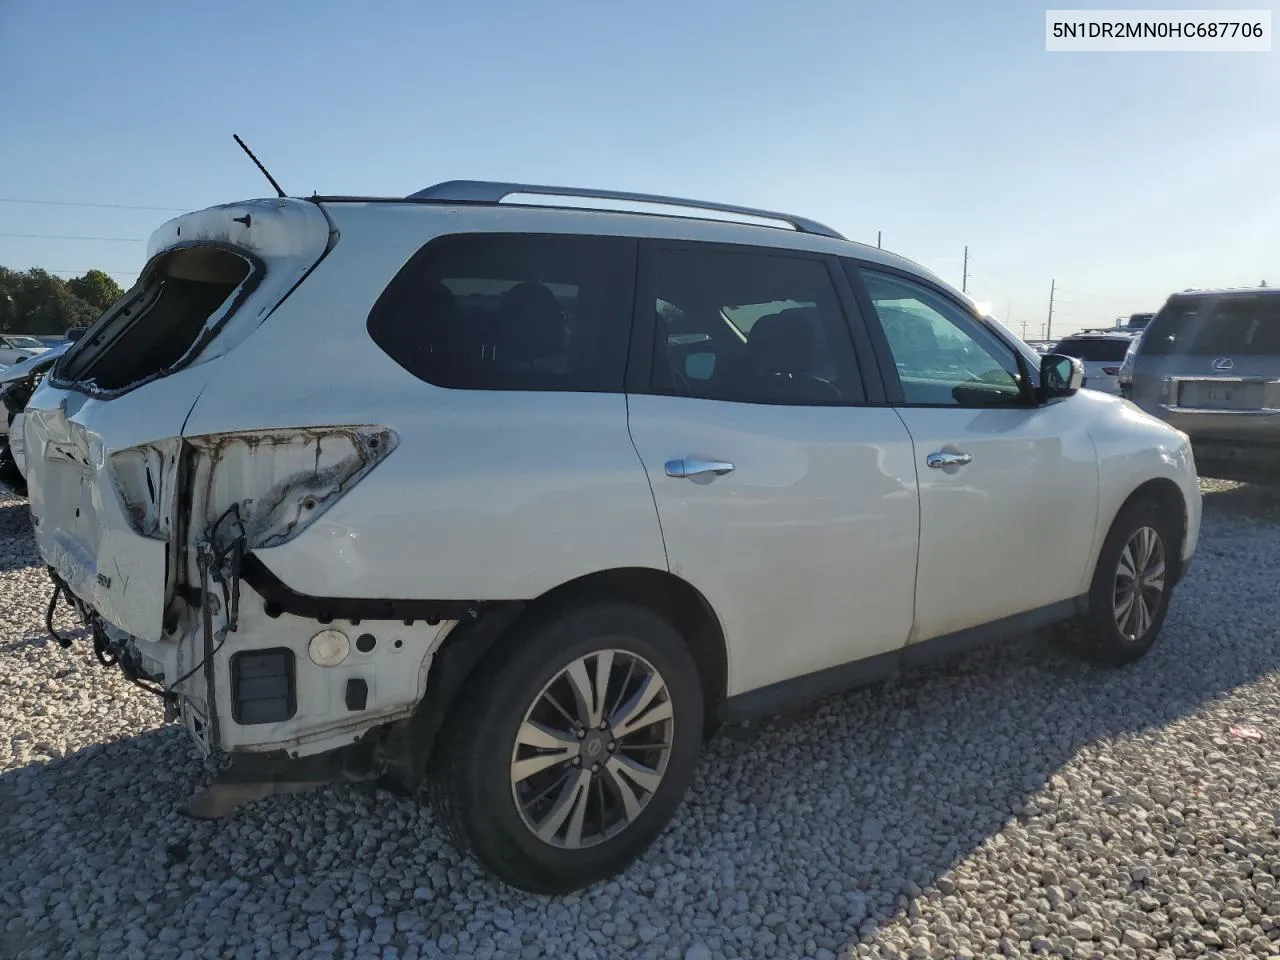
(1214,326)
(25,343)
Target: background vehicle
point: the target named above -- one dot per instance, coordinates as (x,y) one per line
(1101,352)
(14,348)
(595,482)
(17,383)
(1209,364)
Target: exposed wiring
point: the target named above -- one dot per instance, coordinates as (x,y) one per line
(213,562)
(63,642)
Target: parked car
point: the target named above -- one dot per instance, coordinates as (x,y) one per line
(17,383)
(1101,352)
(591,484)
(15,348)
(1209,364)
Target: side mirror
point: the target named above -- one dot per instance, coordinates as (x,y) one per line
(1060,375)
(75,333)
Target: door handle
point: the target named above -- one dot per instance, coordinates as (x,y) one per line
(689,469)
(939,460)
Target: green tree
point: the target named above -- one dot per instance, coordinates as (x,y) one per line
(96,289)
(35,301)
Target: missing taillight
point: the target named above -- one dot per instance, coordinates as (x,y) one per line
(283,480)
(145,477)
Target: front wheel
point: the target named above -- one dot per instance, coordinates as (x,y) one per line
(572,747)
(1131,589)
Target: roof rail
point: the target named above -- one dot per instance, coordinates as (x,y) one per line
(485,191)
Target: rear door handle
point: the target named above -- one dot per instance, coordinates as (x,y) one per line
(939,460)
(689,469)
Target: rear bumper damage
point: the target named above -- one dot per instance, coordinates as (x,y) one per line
(243,675)
(245,686)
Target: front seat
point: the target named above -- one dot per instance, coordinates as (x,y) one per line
(778,360)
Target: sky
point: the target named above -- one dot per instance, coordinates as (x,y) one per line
(1122,177)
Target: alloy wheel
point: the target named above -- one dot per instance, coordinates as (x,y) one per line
(592,749)
(1139,583)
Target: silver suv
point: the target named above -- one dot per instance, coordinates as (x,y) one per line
(1209,364)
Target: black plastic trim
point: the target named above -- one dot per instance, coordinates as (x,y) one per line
(281,598)
(357,694)
(262,695)
(790,694)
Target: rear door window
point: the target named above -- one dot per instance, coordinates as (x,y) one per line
(747,325)
(511,312)
(1216,326)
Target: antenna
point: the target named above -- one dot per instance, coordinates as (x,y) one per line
(270,178)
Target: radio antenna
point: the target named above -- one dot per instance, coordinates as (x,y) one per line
(265,173)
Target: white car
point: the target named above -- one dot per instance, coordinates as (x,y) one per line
(518,503)
(15,349)
(19,377)
(1102,352)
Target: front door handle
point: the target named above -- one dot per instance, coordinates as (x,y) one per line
(689,469)
(939,460)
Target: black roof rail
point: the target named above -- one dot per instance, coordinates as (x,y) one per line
(486,191)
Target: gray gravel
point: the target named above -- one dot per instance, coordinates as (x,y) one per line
(1011,802)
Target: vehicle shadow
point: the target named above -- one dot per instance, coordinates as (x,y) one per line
(892,786)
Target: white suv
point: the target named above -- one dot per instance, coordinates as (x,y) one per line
(517,502)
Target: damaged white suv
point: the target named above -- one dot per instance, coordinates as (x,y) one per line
(516,502)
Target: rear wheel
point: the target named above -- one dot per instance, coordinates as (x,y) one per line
(1131,589)
(572,747)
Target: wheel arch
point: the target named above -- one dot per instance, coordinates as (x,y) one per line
(408,746)
(1169,497)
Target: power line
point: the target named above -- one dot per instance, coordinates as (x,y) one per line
(60,236)
(82,203)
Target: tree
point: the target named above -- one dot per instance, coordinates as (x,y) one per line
(96,289)
(35,301)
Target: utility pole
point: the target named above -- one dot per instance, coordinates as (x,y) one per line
(877,239)
(964,277)
(1049,326)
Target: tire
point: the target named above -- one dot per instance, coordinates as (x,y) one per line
(1097,635)
(485,786)
(11,477)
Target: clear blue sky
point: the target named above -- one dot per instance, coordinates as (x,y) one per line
(1123,176)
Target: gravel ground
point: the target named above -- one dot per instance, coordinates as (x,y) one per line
(1010,802)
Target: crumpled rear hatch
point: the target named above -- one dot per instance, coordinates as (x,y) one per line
(104,449)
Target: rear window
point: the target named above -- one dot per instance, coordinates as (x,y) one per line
(1096,349)
(1216,326)
(158,323)
(511,312)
